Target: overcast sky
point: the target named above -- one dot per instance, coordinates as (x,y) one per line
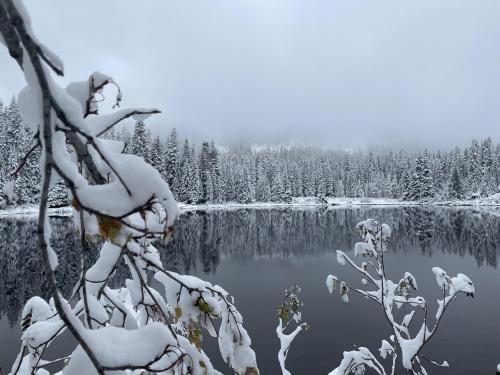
(348,72)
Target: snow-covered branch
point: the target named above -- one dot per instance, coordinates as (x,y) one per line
(289,313)
(388,294)
(122,201)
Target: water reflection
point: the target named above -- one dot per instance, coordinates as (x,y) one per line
(202,239)
(205,237)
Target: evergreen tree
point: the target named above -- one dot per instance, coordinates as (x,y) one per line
(171,158)
(427,183)
(488,178)
(277,188)
(406,192)
(3,148)
(474,169)
(123,135)
(421,185)
(245,191)
(156,154)
(213,160)
(455,190)
(27,183)
(58,195)
(205,172)
(263,188)
(287,190)
(197,190)
(188,180)
(14,137)
(138,144)
(148,145)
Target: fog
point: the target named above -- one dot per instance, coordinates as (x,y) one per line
(328,72)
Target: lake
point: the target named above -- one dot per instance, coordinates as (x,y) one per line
(256,253)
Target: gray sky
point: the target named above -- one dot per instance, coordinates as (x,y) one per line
(332,72)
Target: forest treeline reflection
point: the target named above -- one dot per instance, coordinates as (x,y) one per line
(203,238)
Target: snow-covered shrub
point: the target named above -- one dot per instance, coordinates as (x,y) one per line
(393,296)
(124,202)
(289,314)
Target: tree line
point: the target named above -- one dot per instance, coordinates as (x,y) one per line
(16,139)
(276,174)
(207,173)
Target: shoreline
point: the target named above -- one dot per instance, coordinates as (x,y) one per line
(307,202)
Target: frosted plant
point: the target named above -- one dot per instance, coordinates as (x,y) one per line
(289,314)
(388,295)
(123,202)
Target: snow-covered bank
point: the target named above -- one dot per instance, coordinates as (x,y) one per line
(303,202)
(492,201)
(32,210)
(298,202)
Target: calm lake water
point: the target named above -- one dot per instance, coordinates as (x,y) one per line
(256,254)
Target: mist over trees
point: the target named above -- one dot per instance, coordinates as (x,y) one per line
(207,173)
(276,174)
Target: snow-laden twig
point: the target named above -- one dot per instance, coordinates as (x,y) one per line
(122,201)
(289,313)
(388,294)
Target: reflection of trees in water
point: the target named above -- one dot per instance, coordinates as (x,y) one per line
(201,239)
(21,271)
(205,236)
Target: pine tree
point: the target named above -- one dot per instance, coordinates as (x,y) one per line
(123,135)
(138,144)
(148,146)
(287,190)
(245,191)
(427,183)
(455,190)
(205,172)
(197,189)
(339,189)
(277,188)
(474,169)
(171,158)
(488,180)
(58,195)
(405,187)
(156,154)
(421,185)
(262,187)
(213,157)
(14,136)
(187,176)
(3,149)
(27,183)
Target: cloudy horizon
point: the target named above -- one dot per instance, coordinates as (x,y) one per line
(259,71)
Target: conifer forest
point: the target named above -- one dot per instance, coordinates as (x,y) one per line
(206,173)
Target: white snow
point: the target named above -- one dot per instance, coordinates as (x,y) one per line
(388,294)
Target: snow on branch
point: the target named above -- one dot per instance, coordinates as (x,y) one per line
(289,313)
(390,295)
(123,202)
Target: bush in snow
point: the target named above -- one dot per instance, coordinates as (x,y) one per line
(289,314)
(122,201)
(389,295)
